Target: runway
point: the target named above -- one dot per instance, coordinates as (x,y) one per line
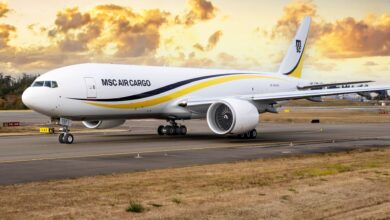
(35,158)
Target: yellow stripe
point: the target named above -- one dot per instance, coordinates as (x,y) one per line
(298,71)
(180,93)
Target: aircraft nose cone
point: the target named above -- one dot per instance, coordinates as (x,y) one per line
(27,98)
(41,100)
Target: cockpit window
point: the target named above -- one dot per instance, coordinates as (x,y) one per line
(38,84)
(54,84)
(49,84)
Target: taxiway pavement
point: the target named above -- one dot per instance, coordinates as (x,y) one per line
(41,157)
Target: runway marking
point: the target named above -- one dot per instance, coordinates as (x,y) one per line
(254,145)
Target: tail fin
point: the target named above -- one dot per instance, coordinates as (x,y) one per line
(293,61)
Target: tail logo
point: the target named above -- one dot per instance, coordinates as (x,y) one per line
(298,44)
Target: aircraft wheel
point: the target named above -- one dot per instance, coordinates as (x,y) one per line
(161,130)
(177,130)
(170,130)
(61,138)
(183,130)
(68,138)
(253,134)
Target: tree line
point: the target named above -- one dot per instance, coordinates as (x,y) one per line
(11,90)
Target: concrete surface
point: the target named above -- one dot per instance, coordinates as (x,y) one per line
(40,157)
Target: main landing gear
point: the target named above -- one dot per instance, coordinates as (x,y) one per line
(248,135)
(173,129)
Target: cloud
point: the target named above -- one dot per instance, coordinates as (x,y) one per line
(3,9)
(104,33)
(199,10)
(130,33)
(351,38)
(198,47)
(142,37)
(6,32)
(202,9)
(293,13)
(343,38)
(71,18)
(214,39)
(211,43)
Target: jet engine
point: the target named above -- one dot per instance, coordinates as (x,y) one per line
(104,124)
(232,116)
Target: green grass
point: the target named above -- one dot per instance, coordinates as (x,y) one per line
(330,169)
(136,207)
(286,197)
(176,200)
(293,190)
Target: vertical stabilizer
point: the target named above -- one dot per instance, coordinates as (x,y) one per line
(293,61)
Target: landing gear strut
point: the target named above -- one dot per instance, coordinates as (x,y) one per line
(248,135)
(172,129)
(65,137)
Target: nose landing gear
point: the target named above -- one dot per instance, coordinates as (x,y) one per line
(173,129)
(65,137)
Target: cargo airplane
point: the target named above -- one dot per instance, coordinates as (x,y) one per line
(106,95)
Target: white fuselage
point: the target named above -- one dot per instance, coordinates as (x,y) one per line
(108,91)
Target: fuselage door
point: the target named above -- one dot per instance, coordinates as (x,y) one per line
(91,87)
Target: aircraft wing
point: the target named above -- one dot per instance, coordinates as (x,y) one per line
(281,96)
(320,86)
(311,93)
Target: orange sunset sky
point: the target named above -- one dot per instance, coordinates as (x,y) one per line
(349,39)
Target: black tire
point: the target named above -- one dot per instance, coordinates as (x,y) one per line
(177,130)
(161,130)
(170,130)
(61,138)
(68,138)
(253,134)
(183,130)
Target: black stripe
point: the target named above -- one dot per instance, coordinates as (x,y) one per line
(156,91)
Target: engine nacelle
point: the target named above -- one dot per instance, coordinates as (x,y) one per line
(232,116)
(104,124)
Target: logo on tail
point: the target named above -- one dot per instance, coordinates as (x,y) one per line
(298,44)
